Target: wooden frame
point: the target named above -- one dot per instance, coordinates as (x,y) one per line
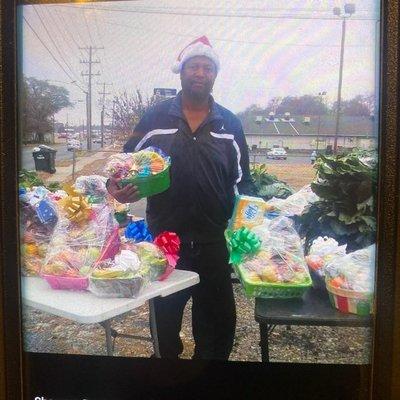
(383,380)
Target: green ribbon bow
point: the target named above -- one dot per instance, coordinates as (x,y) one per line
(240,243)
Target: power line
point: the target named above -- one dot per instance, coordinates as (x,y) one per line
(87,26)
(52,55)
(235,40)
(54,44)
(208,14)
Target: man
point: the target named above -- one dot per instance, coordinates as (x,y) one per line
(209,164)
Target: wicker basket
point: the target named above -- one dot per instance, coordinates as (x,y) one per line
(150,185)
(350,301)
(272,290)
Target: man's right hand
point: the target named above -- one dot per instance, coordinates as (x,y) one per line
(128,194)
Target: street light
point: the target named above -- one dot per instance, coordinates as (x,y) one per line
(320,95)
(349,9)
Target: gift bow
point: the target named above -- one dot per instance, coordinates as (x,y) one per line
(169,243)
(138,232)
(75,205)
(240,243)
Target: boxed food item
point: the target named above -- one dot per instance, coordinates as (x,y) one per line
(248,212)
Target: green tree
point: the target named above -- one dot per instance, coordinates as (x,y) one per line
(300,105)
(358,106)
(38,103)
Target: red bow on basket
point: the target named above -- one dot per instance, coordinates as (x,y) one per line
(169,243)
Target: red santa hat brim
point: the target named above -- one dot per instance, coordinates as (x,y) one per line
(199,47)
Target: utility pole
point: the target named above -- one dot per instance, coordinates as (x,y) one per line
(103,93)
(112,123)
(90,50)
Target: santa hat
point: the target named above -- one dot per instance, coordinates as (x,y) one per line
(199,47)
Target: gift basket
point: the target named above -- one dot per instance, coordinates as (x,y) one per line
(92,186)
(269,260)
(322,251)
(38,218)
(76,242)
(350,281)
(294,204)
(122,276)
(147,169)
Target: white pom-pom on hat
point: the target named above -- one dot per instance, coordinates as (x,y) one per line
(199,47)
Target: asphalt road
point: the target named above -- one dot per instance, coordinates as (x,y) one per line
(28,163)
(291,159)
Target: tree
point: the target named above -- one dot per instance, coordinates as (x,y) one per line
(128,109)
(39,102)
(358,106)
(302,105)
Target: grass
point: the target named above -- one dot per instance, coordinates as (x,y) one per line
(295,175)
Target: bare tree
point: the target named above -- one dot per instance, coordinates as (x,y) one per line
(127,110)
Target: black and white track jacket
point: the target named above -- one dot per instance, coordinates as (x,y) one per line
(208,167)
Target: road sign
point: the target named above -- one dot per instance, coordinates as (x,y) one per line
(164,92)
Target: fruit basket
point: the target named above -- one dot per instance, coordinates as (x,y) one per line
(149,185)
(271,290)
(350,301)
(66,282)
(116,287)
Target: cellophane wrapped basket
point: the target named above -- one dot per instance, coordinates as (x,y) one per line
(148,169)
(277,269)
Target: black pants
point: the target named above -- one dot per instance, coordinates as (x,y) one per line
(213,307)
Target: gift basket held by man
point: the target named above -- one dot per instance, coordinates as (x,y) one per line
(205,143)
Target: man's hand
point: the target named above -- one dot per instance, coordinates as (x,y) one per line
(128,194)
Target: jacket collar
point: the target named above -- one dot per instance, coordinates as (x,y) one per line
(176,108)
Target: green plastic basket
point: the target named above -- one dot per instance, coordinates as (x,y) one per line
(272,290)
(149,185)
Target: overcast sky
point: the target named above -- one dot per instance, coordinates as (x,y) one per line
(266,48)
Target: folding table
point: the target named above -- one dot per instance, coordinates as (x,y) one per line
(314,309)
(86,308)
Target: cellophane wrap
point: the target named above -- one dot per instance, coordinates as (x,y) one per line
(38,218)
(322,251)
(280,258)
(294,204)
(354,271)
(123,276)
(75,247)
(146,162)
(93,186)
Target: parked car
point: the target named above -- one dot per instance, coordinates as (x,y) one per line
(74,144)
(62,135)
(277,153)
(96,140)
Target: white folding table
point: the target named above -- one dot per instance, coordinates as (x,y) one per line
(84,307)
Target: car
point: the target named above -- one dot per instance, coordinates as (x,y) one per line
(74,144)
(96,140)
(62,135)
(277,153)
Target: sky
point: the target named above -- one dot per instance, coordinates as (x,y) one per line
(266,48)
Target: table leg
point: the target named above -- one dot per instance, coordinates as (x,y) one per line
(109,344)
(153,327)
(264,336)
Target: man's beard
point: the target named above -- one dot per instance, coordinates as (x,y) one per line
(197,95)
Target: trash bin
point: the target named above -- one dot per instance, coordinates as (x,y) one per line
(45,158)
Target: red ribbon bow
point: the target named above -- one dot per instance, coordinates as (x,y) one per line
(169,243)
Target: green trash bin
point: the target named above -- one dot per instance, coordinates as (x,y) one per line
(45,159)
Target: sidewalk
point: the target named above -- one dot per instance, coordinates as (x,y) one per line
(63,174)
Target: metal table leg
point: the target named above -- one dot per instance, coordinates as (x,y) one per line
(109,341)
(265,329)
(153,327)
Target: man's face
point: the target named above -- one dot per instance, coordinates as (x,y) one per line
(197,77)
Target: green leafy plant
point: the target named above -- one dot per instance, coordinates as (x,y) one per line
(267,185)
(346,186)
(28,179)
